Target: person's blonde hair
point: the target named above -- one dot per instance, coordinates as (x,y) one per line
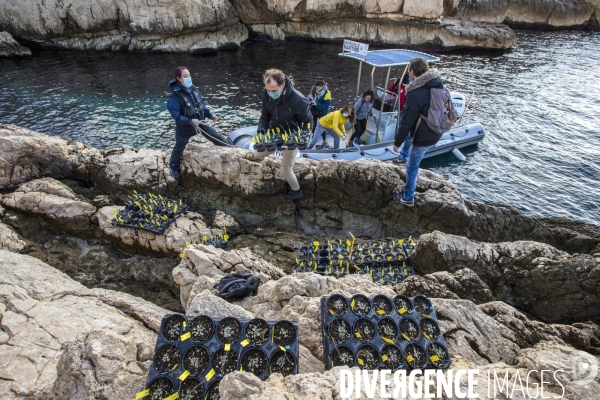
(351,113)
(274,74)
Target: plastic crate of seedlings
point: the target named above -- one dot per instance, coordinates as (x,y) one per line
(193,353)
(278,139)
(382,333)
(149,212)
(384,261)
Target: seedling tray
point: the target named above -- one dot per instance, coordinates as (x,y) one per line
(149,212)
(355,332)
(205,353)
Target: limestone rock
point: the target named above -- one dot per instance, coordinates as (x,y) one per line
(62,341)
(9,47)
(548,283)
(62,214)
(187,228)
(28,155)
(10,240)
(463,284)
(203,266)
(128,25)
(207,303)
(423,9)
(48,186)
(148,313)
(100,363)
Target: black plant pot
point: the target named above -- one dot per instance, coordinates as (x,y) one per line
(161,388)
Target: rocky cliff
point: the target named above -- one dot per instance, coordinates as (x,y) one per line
(506,302)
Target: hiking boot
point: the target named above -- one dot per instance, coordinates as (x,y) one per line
(399,161)
(174,173)
(399,197)
(325,145)
(356,142)
(293,195)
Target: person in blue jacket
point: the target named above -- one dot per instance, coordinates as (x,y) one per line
(319,101)
(186,105)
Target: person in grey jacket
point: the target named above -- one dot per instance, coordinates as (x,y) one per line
(364,109)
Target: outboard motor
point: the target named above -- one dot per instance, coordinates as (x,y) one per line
(242,137)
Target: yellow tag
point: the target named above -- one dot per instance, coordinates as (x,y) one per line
(402,310)
(184,375)
(143,394)
(173,396)
(175,367)
(186,336)
(245,343)
(210,374)
(434,358)
(384,358)
(316,244)
(426,336)
(227,347)
(331,312)
(282,348)
(387,340)
(380,312)
(409,358)
(357,334)
(360,361)
(114,211)
(352,302)
(226,237)
(242,369)
(405,336)
(184,323)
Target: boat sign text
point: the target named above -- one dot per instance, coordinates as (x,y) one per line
(356,47)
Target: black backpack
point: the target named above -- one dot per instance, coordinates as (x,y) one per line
(236,286)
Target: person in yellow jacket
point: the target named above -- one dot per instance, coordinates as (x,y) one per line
(333,125)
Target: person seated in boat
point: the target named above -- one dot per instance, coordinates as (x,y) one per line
(188,109)
(412,132)
(285,108)
(319,100)
(363,107)
(333,125)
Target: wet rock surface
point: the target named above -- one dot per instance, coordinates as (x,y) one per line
(9,47)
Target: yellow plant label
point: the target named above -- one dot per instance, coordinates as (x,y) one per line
(186,336)
(409,358)
(405,336)
(352,302)
(173,396)
(384,358)
(434,358)
(282,348)
(245,343)
(402,310)
(184,375)
(426,336)
(210,374)
(380,312)
(227,347)
(175,367)
(242,369)
(387,340)
(141,395)
(357,334)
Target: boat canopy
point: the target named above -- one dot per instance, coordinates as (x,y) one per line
(390,58)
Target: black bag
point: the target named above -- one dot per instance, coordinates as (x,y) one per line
(315,111)
(236,286)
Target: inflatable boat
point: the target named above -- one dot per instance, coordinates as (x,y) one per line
(379,137)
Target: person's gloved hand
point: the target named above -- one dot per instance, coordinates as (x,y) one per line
(195,122)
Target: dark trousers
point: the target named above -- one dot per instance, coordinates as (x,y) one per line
(207,131)
(359,129)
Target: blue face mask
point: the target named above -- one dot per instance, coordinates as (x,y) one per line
(274,95)
(345,115)
(187,81)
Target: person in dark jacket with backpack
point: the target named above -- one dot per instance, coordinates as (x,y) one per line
(412,126)
(187,107)
(285,108)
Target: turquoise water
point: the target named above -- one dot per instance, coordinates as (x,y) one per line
(540,104)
